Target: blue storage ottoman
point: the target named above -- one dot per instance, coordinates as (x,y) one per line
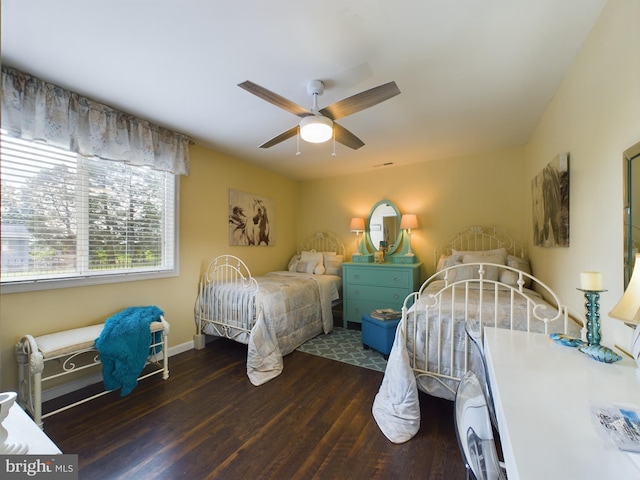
(378,334)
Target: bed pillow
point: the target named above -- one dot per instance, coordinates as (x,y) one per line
(447,261)
(293,262)
(490,273)
(496,251)
(332,263)
(308,262)
(511,278)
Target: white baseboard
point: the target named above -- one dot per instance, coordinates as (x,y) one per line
(60,390)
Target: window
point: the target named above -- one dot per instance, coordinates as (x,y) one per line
(69,220)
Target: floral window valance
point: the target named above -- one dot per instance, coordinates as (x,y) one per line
(33,109)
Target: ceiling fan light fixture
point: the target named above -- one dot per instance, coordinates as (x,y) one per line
(316,129)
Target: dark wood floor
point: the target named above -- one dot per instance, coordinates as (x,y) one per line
(207,421)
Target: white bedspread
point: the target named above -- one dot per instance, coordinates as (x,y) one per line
(289,313)
(441,346)
(396,408)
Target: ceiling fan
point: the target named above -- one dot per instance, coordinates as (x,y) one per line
(318,126)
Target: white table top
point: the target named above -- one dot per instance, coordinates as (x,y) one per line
(22,429)
(543,393)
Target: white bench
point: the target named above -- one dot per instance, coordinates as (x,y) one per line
(72,351)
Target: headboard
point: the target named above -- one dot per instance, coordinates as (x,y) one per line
(477,238)
(321,242)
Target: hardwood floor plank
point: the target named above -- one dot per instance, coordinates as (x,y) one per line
(207,421)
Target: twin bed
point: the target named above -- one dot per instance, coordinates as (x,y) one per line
(483,279)
(273,313)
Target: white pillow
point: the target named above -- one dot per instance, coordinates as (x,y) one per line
(490,273)
(447,261)
(293,262)
(496,251)
(332,263)
(308,262)
(511,278)
(319,270)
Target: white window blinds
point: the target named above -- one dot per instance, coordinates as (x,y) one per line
(69,217)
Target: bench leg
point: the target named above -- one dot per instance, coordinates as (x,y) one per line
(165,354)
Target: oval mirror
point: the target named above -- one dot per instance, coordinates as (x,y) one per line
(384,226)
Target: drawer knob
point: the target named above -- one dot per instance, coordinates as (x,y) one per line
(356,276)
(356,293)
(396,279)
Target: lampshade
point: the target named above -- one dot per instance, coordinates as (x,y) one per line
(409,221)
(316,129)
(357,224)
(628,308)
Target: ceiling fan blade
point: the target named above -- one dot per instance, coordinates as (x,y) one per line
(346,138)
(280,138)
(275,99)
(360,101)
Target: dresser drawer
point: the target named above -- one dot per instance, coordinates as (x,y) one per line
(380,294)
(366,287)
(379,276)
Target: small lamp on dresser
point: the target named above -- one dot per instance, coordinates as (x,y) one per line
(357,226)
(408,222)
(628,309)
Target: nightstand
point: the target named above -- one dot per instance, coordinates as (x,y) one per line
(367,286)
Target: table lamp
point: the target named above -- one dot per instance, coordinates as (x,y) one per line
(357,226)
(628,309)
(408,222)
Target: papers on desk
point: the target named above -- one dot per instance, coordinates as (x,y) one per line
(620,424)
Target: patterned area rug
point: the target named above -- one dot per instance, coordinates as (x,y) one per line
(344,345)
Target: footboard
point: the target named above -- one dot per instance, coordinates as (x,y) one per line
(435,317)
(227,301)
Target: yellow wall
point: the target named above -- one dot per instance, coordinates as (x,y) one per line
(595,116)
(203,235)
(444,194)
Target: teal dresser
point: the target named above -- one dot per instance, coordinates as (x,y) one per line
(367,286)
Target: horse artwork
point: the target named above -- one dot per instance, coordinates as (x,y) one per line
(550,201)
(249,219)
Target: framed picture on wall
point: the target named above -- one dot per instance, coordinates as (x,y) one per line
(550,201)
(249,219)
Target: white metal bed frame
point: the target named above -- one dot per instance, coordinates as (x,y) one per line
(229,319)
(475,238)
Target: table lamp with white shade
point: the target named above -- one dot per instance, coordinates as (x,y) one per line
(628,309)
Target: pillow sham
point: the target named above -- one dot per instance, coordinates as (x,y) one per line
(496,251)
(490,272)
(511,278)
(332,263)
(293,262)
(447,261)
(308,262)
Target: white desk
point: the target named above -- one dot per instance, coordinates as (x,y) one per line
(543,392)
(22,429)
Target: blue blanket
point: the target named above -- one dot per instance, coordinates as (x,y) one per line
(124,346)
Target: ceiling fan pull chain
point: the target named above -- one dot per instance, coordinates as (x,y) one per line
(298,142)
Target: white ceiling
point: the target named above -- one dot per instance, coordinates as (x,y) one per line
(474,74)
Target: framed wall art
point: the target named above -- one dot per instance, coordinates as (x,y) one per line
(249,216)
(550,201)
